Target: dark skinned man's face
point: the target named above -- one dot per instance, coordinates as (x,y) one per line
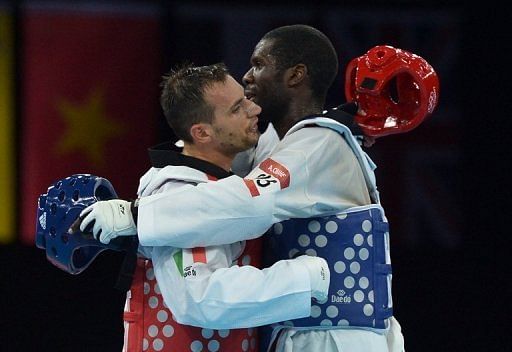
(264,83)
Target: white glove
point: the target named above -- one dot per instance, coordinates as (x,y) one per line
(112,218)
(319,275)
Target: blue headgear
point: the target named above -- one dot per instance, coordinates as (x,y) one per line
(56,212)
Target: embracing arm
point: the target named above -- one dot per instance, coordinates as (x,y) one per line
(212,294)
(209,214)
(309,174)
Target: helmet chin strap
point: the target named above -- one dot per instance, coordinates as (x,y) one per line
(395,90)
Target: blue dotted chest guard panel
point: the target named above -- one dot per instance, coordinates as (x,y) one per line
(58,209)
(355,243)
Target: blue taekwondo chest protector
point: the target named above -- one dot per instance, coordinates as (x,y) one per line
(58,209)
(355,243)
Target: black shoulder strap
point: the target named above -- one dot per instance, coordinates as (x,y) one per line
(343,114)
(125,277)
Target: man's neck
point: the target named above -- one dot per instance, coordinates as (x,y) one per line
(210,155)
(297,110)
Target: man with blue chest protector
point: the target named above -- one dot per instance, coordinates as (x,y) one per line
(316,192)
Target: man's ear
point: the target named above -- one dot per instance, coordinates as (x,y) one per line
(296,75)
(201,133)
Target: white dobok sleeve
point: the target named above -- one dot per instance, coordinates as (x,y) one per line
(213,294)
(311,172)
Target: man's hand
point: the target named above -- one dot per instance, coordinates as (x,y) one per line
(109,219)
(345,114)
(319,275)
(368,141)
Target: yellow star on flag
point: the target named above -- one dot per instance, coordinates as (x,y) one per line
(88,127)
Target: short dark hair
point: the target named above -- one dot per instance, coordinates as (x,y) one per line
(302,44)
(182,97)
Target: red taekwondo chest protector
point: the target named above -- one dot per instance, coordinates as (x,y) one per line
(395,90)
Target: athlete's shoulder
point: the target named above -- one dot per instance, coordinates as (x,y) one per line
(314,132)
(171,174)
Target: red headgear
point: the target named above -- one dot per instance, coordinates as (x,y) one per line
(394,89)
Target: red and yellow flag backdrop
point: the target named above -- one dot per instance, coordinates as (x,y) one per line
(89,98)
(7,143)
